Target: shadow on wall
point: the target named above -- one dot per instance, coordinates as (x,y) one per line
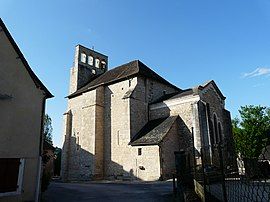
(112,170)
(186,142)
(77,165)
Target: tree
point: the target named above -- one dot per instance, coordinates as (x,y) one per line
(252,132)
(47,135)
(57,161)
(47,129)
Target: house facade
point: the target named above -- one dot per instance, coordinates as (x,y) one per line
(126,123)
(22,104)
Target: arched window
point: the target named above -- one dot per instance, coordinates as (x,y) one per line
(103,64)
(219,132)
(211,125)
(83,57)
(97,61)
(216,129)
(90,60)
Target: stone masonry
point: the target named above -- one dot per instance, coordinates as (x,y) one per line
(127,122)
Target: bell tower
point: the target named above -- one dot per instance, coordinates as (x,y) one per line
(88,65)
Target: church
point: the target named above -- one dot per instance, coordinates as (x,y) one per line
(126,123)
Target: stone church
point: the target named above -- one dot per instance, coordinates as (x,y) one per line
(127,122)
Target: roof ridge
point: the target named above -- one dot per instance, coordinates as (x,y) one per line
(117,74)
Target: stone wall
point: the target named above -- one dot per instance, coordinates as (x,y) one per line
(185,107)
(221,129)
(169,145)
(106,119)
(124,117)
(82,72)
(99,134)
(216,105)
(147,165)
(117,129)
(145,92)
(83,146)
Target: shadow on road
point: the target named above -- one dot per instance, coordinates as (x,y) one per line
(109,191)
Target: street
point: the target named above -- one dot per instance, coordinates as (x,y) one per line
(109,191)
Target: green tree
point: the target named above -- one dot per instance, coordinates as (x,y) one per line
(47,129)
(252,132)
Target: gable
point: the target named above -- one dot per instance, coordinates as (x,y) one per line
(10,53)
(211,85)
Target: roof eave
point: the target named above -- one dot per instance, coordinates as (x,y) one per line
(143,144)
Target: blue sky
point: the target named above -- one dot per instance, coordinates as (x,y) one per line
(186,41)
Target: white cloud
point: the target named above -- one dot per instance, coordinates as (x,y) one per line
(257,72)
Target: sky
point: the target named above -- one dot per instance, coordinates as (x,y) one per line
(188,42)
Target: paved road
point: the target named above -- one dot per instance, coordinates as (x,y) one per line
(109,191)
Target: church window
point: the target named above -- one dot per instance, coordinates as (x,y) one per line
(90,60)
(216,129)
(219,131)
(83,57)
(103,64)
(129,82)
(93,71)
(97,63)
(139,151)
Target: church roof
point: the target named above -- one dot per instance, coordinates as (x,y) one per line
(153,132)
(36,80)
(174,95)
(190,91)
(123,72)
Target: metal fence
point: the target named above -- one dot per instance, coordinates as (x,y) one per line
(227,178)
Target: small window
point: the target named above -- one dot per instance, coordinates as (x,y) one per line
(93,71)
(164,92)
(103,64)
(11,170)
(129,82)
(139,151)
(97,63)
(83,57)
(216,129)
(90,60)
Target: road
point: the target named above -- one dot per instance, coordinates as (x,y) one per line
(109,191)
